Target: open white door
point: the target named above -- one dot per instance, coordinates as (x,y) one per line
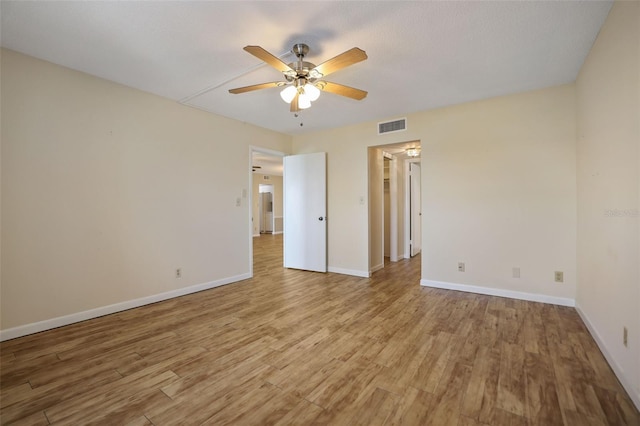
(416,209)
(305,212)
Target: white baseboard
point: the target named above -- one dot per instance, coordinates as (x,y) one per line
(355,273)
(397,259)
(377,268)
(256,235)
(277,232)
(623,378)
(36,327)
(532,297)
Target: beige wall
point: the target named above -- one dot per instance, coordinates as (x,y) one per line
(498,183)
(107,190)
(278,208)
(499,192)
(608,100)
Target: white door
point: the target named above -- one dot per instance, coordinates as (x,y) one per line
(416,209)
(305,212)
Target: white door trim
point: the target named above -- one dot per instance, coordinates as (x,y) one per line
(393,209)
(407,207)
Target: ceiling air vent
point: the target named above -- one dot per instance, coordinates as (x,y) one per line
(392,126)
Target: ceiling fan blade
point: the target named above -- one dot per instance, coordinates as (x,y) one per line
(256,87)
(294,104)
(342,90)
(267,57)
(350,57)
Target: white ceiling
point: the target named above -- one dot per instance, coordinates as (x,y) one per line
(268,164)
(422,55)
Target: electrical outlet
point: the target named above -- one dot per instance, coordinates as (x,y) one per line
(179,273)
(460,266)
(238,202)
(625,336)
(559,276)
(516,272)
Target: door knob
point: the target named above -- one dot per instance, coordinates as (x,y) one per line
(320,218)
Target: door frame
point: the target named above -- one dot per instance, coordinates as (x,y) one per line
(252,149)
(393,209)
(407,205)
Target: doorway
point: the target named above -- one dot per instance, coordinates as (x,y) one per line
(390,201)
(265,208)
(266,212)
(267,168)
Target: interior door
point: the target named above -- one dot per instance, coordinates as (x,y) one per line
(305,212)
(416,209)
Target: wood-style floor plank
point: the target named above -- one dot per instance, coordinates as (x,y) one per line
(294,347)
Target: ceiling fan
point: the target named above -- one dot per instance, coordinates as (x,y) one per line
(303,80)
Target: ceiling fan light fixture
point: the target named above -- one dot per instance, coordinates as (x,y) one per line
(288,94)
(311,91)
(413,152)
(304,101)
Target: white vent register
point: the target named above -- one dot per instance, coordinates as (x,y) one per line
(392,126)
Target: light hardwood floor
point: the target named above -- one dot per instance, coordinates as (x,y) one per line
(294,347)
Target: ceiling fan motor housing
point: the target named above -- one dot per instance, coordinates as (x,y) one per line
(302,70)
(300,50)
